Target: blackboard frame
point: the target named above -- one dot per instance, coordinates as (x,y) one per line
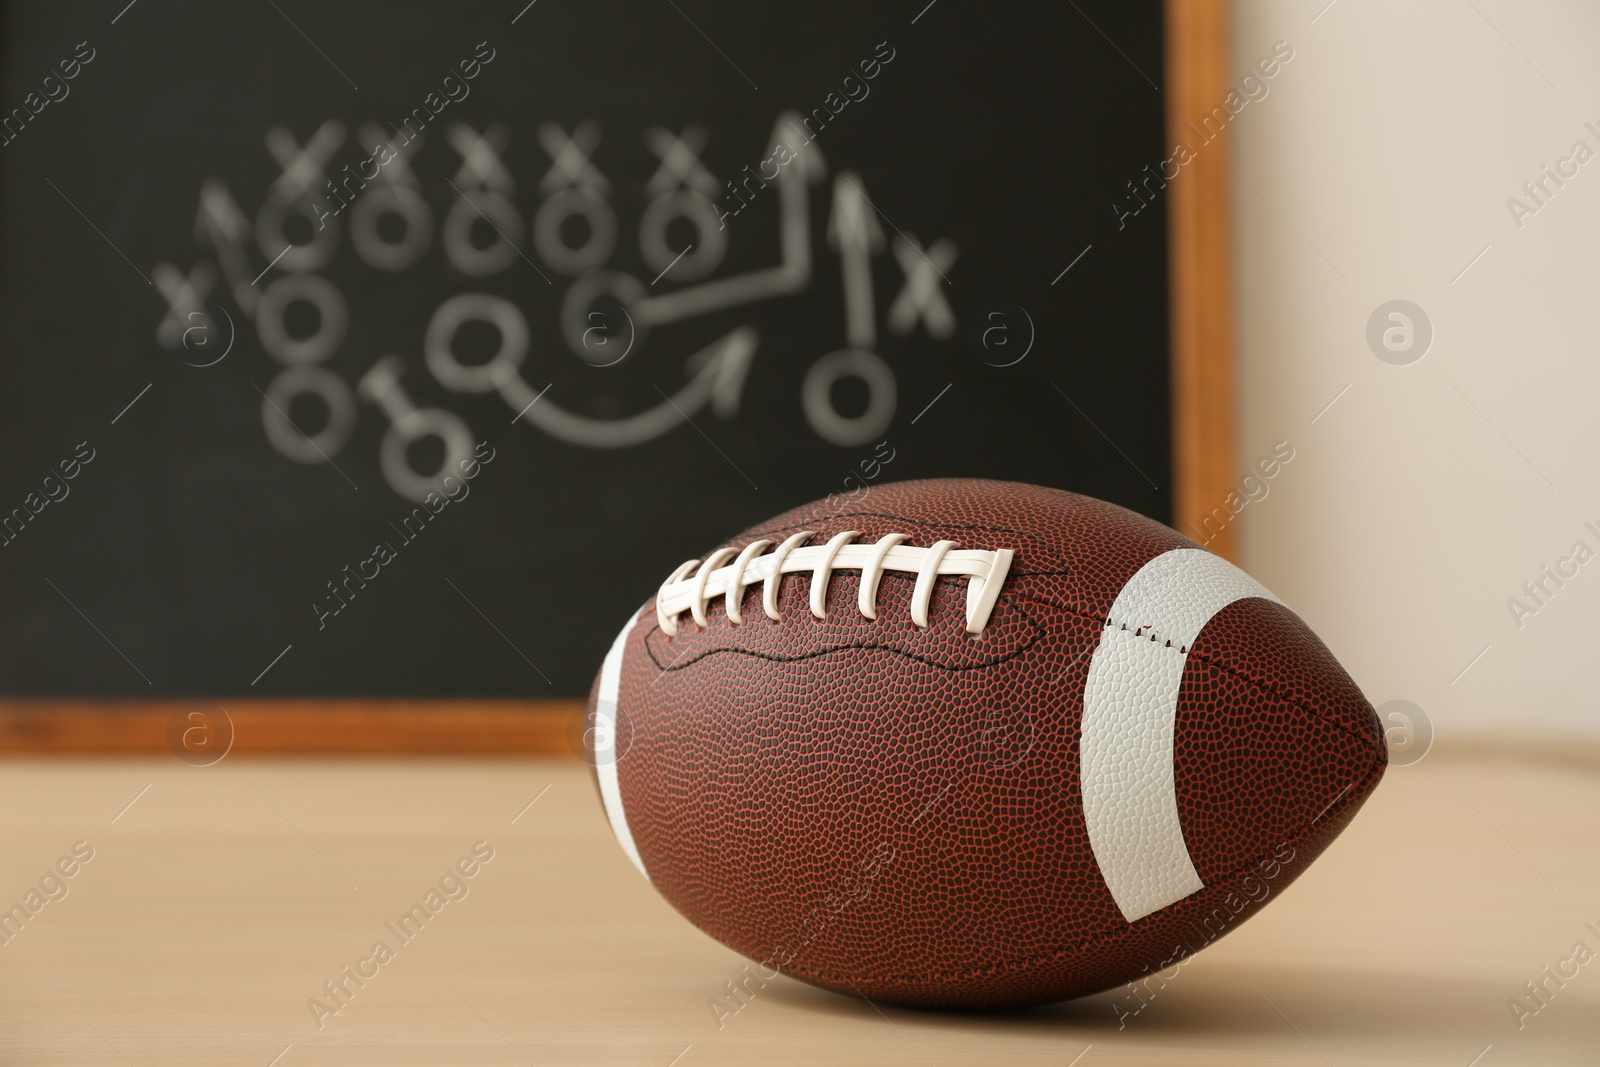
(1197,58)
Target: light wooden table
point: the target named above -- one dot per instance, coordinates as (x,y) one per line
(219,902)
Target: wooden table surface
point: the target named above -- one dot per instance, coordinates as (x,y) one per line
(221,899)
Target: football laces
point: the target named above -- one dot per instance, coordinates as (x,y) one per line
(695,583)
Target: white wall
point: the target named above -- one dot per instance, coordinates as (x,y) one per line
(1391,143)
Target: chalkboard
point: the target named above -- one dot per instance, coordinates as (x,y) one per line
(403,351)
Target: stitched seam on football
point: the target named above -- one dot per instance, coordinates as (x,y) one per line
(1016,601)
(1004,966)
(1266,689)
(682,664)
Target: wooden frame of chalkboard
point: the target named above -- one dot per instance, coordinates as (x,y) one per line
(1202,407)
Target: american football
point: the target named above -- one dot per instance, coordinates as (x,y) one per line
(973,744)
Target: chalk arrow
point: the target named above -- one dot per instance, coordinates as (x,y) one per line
(717,377)
(854,231)
(727,363)
(799,164)
(804,157)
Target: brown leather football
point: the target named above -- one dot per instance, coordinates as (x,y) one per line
(973,744)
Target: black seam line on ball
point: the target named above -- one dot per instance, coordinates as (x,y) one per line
(1267,689)
(682,664)
(1264,688)
(1044,596)
(1226,881)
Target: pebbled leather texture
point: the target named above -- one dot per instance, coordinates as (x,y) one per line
(898,813)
